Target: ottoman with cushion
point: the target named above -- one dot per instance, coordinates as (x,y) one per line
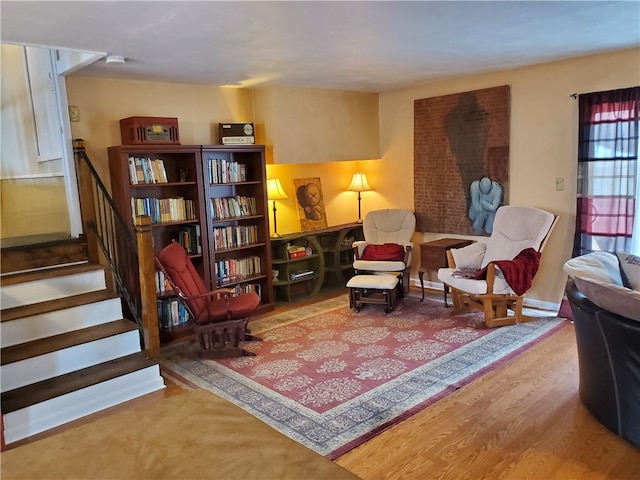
(375,289)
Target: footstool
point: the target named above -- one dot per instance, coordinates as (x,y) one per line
(376,289)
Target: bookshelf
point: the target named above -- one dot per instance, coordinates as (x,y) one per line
(235,199)
(327,254)
(166,183)
(210,198)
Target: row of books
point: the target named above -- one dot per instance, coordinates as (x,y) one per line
(146,170)
(231,207)
(171,314)
(164,287)
(226,171)
(162,283)
(234,236)
(189,237)
(162,210)
(227,271)
(247,287)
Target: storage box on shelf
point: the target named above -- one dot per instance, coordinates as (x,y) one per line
(301,261)
(166,183)
(237,219)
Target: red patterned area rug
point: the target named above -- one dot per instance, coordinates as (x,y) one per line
(331,378)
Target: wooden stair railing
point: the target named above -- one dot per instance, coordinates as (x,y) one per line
(128,257)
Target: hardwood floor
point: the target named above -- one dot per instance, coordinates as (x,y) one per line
(523,420)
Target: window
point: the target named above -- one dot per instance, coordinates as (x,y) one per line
(608,189)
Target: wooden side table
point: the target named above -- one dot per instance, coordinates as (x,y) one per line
(433,255)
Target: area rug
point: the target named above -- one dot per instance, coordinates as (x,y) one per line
(331,378)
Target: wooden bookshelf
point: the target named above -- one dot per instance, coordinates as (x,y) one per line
(173,196)
(235,198)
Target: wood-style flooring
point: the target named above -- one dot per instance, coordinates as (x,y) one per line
(523,420)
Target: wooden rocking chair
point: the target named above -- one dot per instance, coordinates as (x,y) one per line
(219,319)
(514,248)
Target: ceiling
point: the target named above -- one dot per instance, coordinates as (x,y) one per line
(367,46)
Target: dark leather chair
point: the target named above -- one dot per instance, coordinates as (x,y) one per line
(609,362)
(219,319)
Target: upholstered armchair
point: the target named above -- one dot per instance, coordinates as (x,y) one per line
(494,277)
(386,247)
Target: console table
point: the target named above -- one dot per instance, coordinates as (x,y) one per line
(433,255)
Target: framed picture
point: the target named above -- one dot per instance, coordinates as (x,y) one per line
(310,203)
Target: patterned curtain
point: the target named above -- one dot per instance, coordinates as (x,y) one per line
(607,171)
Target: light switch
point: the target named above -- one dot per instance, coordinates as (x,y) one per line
(74,113)
(559,184)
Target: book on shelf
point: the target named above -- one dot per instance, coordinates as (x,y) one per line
(162,283)
(233,236)
(174,209)
(226,171)
(232,269)
(189,237)
(171,313)
(233,207)
(147,171)
(300,274)
(246,288)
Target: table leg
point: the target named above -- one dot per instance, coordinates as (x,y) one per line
(446,290)
(421,276)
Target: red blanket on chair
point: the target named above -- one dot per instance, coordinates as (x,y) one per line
(519,272)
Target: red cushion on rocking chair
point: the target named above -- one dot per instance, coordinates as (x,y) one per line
(385,252)
(231,308)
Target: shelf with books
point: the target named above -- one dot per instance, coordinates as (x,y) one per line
(172,195)
(146,170)
(234,179)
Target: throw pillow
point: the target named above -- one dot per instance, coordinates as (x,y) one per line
(469,257)
(629,269)
(383,252)
(600,266)
(613,298)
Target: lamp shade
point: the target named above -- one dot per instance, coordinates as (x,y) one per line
(359,183)
(275,190)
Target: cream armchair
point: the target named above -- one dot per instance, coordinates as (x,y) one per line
(494,277)
(386,247)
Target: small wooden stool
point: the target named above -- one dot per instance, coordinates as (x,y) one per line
(376,289)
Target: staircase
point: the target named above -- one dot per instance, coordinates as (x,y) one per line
(66,350)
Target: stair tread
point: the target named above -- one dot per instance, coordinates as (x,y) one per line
(57,304)
(42,391)
(23,351)
(41,251)
(35,242)
(23,277)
